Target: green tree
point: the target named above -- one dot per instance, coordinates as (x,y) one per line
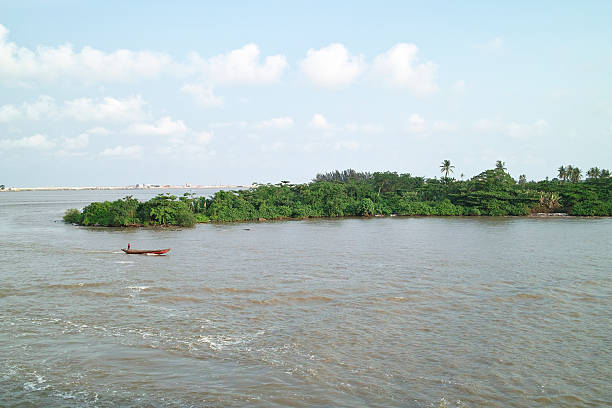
(568,170)
(366,207)
(594,173)
(501,166)
(562,173)
(385,182)
(446,168)
(123,212)
(575,174)
(73,216)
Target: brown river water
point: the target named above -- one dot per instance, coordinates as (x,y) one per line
(380,312)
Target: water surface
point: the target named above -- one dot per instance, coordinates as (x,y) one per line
(381,312)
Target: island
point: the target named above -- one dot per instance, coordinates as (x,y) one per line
(350,193)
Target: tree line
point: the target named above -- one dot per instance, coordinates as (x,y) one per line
(350,193)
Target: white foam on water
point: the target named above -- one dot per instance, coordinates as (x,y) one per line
(37,385)
(65,395)
(220,342)
(9,373)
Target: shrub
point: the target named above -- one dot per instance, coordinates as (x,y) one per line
(73,216)
(185,218)
(366,207)
(474,211)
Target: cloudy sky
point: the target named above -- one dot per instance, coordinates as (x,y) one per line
(119,93)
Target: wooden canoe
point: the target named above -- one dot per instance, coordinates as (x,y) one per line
(145,251)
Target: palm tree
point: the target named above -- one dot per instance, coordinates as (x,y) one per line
(605,173)
(575,175)
(562,173)
(594,173)
(568,172)
(500,165)
(446,168)
(522,179)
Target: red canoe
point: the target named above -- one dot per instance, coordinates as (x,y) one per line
(145,251)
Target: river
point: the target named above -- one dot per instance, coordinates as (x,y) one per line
(379,312)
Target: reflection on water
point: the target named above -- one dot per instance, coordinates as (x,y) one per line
(417,312)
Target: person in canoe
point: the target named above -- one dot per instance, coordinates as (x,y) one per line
(129,250)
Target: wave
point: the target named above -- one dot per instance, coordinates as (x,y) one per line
(520,296)
(228,290)
(79,285)
(289,299)
(176,298)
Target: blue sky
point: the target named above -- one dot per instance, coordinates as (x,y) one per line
(119,93)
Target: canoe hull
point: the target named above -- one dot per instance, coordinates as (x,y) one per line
(145,251)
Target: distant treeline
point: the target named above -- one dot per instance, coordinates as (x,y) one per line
(349,193)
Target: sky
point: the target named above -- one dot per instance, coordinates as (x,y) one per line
(117,93)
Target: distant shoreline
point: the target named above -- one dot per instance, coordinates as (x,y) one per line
(134,187)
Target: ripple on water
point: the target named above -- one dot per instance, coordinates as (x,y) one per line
(308,314)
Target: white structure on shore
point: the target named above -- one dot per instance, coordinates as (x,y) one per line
(133,187)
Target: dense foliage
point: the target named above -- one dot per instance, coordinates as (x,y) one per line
(165,209)
(349,193)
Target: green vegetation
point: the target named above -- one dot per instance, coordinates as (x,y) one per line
(349,193)
(165,209)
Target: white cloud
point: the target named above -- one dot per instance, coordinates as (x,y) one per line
(399,67)
(9,113)
(133,152)
(76,143)
(203,95)
(50,63)
(43,108)
(202,138)
(419,125)
(347,145)
(239,125)
(242,66)
(332,66)
(515,130)
(38,141)
(82,109)
(89,64)
(319,122)
(109,109)
(163,127)
(99,131)
(281,123)
(416,124)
